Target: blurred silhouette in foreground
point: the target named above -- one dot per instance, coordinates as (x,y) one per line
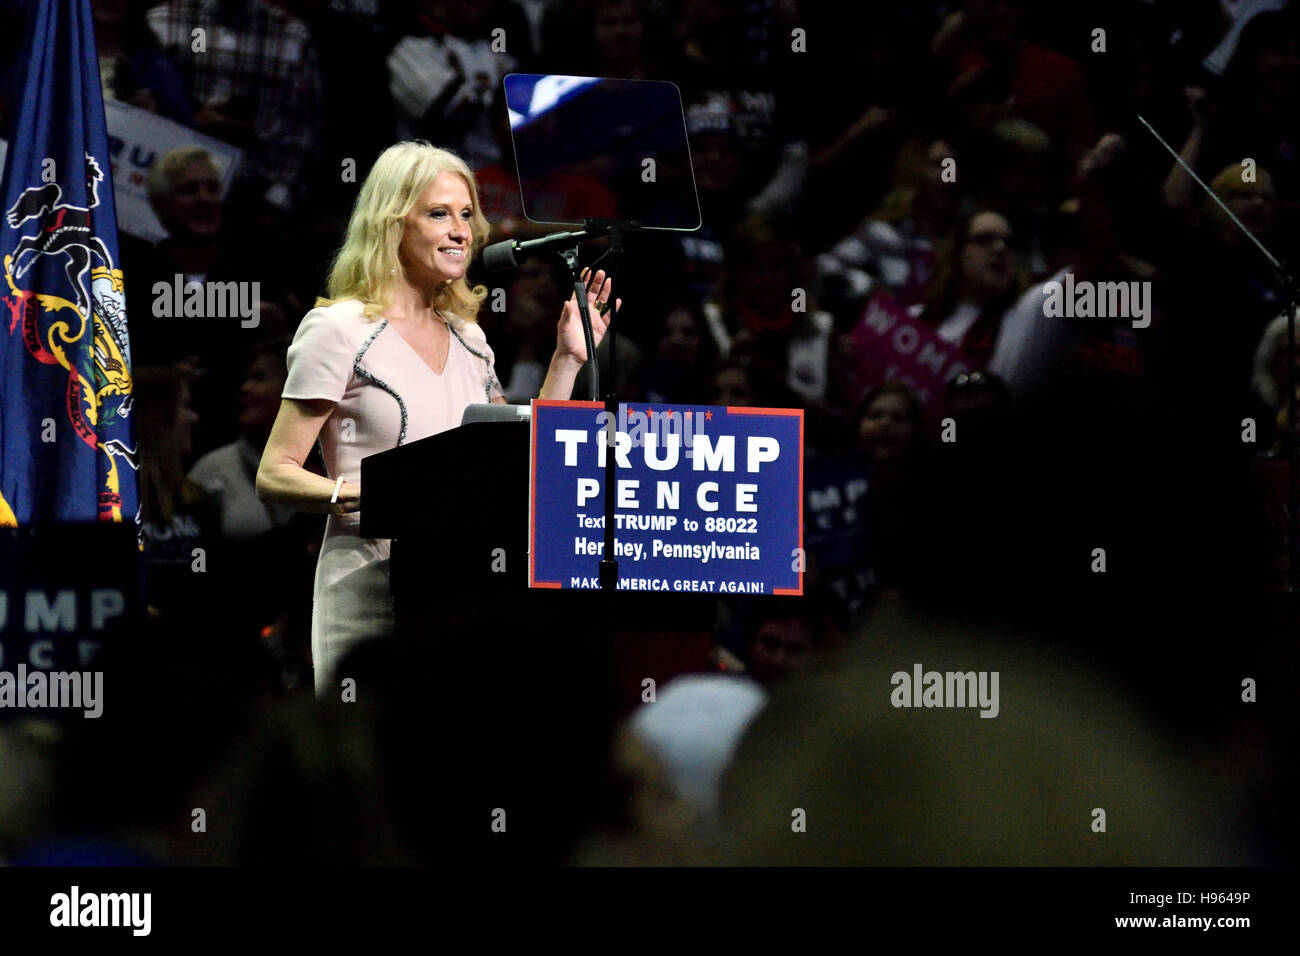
(881,784)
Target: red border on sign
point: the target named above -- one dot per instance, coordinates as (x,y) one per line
(745,410)
(532,480)
(532,485)
(799,590)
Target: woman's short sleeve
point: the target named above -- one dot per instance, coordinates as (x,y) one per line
(319,360)
(473,335)
(494,388)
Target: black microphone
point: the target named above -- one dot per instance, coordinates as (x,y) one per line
(509,253)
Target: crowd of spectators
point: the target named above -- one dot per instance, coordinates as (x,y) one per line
(862,167)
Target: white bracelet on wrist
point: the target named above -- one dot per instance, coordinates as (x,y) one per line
(334,498)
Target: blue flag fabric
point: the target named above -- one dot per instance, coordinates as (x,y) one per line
(67,448)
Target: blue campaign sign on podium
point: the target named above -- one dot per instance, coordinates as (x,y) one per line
(707,498)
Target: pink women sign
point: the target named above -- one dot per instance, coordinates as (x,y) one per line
(888,345)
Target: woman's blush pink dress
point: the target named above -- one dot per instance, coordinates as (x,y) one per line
(385,395)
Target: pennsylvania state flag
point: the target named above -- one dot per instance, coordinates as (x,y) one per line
(67,449)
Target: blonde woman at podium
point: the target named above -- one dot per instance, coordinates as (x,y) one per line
(392,355)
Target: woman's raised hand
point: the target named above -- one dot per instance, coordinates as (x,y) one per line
(569,340)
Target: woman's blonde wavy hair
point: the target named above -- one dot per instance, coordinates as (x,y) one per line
(363,268)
